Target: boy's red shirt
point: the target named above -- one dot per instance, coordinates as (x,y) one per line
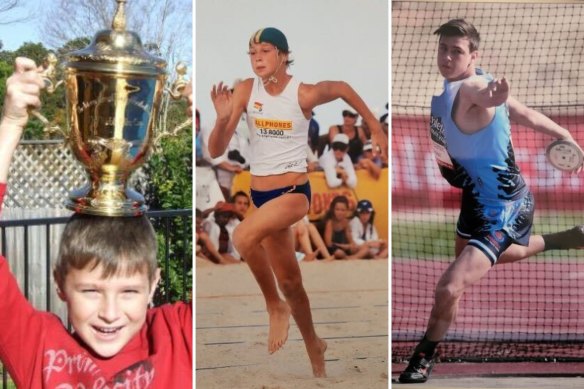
(39,352)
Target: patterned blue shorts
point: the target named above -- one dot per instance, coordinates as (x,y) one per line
(493,228)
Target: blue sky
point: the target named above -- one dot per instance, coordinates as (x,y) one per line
(13,35)
(329,39)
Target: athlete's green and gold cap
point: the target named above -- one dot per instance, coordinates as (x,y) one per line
(270,35)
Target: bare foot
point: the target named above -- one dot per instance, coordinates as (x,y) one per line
(279,325)
(317,358)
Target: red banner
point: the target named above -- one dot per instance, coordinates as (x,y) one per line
(416,180)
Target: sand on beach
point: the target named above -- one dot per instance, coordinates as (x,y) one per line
(349,301)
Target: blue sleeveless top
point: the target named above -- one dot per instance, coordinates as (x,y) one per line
(481,163)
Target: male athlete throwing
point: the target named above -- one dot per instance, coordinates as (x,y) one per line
(471,134)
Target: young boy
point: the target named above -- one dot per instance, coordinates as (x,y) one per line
(106,273)
(471,133)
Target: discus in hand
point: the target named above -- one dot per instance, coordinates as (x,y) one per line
(564,155)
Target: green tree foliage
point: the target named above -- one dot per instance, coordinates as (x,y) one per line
(73,45)
(170,186)
(170,168)
(35,51)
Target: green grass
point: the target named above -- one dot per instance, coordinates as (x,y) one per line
(427,239)
(422,239)
(10,385)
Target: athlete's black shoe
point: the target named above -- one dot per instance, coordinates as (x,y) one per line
(418,370)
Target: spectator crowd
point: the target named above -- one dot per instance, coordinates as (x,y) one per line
(340,234)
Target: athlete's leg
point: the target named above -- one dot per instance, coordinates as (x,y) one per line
(563,240)
(278,310)
(468,268)
(459,245)
(517,252)
(247,238)
(289,278)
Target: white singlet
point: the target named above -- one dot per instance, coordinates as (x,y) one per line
(278,131)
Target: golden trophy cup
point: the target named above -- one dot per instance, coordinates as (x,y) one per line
(114,90)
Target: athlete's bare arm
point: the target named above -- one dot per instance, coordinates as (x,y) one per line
(486,94)
(312,95)
(528,117)
(229,107)
(476,101)
(531,118)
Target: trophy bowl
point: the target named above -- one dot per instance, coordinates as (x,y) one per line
(114,89)
(112,113)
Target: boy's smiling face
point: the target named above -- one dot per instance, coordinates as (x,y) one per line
(106,313)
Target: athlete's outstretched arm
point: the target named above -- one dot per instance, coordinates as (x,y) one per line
(531,118)
(323,92)
(485,94)
(229,107)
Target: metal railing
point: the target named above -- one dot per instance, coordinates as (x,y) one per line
(175,253)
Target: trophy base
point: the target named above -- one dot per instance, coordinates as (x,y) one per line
(127,203)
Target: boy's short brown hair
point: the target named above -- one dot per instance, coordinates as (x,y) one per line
(118,244)
(460,27)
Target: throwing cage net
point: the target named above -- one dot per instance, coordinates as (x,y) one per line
(529,310)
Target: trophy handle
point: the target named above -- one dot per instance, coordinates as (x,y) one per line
(174,132)
(180,81)
(49,76)
(175,92)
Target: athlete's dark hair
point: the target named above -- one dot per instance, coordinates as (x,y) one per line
(460,27)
